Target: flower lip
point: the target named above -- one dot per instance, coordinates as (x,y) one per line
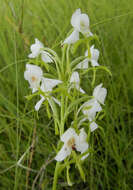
(33,78)
(71,142)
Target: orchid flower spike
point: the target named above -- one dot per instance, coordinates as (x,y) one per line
(75,81)
(72,141)
(94,55)
(34,75)
(80,23)
(47,87)
(37,49)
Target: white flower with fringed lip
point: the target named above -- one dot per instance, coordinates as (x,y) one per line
(37,49)
(91,107)
(72,141)
(94,55)
(75,82)
(80,23)
(47,87)
(34,76)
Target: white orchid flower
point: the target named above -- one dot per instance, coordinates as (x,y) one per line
(100,93)
(80,23)
(34,75)
(91,107)
(47,87)
(75,81)
(94,55)
(37,49)
(93,126)
(72,141)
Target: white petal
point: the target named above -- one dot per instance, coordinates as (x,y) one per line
(82,135)
(81,121)
(49,84)
(34,90)
(93,126)
(56,101)
(81,90)
(74,36)
(89,34)
(83,64)
(75,18)
(39,103)
(84,23)
(31,55)
(75,77)
(90,108)
(100,93)
(94,53)
(63,153)
(46,57)
(86,53)
(33,74)
(37,42)
(82,145)
(68,134)
(35,49)
(94,63)
(85,156)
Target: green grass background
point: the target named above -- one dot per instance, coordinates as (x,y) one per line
(110,167)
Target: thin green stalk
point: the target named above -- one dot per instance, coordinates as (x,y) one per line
(55,176)
(68,60)
(63,59)
(17,129)
(62,115)
(94,77)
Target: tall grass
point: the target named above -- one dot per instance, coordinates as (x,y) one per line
(111,164)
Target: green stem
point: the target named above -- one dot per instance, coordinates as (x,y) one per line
(68,60)
(94,77)
(55,176)
(62,115)
(58,70)
(63,59)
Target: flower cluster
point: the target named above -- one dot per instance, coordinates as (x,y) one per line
(63,89)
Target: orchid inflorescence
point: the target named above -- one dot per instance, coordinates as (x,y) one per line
(58,82)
